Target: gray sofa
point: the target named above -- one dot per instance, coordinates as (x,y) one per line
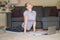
(44,17)
(59,17)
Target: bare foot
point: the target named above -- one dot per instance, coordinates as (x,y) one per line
(26,32)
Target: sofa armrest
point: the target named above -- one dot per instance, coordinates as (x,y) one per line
(9,19)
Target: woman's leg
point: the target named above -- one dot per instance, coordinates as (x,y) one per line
(19,28)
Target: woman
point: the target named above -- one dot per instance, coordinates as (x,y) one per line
(29,18)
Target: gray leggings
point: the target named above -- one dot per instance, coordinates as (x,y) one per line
(29,24)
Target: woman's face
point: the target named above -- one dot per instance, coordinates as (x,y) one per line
(29,6)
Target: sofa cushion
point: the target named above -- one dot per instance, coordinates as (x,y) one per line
(51,19)
(39,10)
(50,24)
(50,11)
(17,19)
(17,12)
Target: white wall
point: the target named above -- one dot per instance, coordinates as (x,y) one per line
(58,4)
(40,2)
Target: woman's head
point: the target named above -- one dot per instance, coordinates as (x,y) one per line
(28,6)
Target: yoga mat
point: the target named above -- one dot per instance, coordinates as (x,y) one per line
(30,33)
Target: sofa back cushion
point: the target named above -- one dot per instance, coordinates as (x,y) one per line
(18,11)
(39,10)
(50,11)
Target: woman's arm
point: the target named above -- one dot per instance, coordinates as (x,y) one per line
(34,26)
(25,23)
